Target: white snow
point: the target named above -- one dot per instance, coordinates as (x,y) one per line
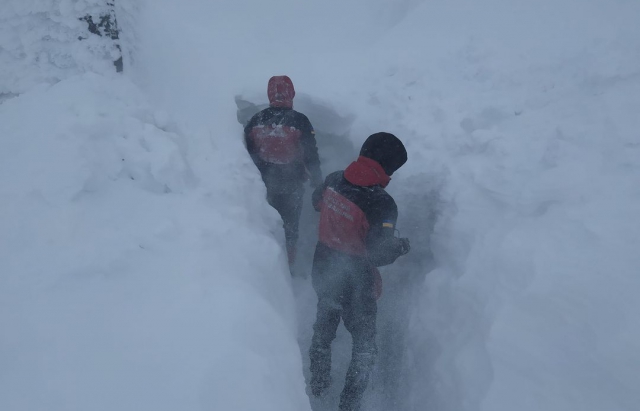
(38,42)
(141,267)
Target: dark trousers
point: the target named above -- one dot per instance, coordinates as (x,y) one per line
(289,204)
(345,291)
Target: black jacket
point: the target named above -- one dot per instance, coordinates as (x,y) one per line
(356,221)
(282,144)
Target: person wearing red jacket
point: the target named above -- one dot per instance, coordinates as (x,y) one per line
(282,144)
(356,235)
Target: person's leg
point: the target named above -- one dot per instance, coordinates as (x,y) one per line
(328,286)
(324,332)
(360,321)
(291,221)
(289,205)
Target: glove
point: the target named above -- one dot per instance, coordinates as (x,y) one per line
(404,246)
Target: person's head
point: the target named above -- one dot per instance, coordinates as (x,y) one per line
(280,91)
(385,149)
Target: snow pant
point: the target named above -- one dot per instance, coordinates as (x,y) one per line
(289,204)
(345,289)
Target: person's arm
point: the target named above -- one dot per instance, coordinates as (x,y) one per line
(316,196)
(383,247)
(310,151)
(249,143)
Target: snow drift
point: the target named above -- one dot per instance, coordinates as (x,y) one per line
(140,267)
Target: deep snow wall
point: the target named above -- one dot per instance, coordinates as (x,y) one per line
(140,266)
(523,115)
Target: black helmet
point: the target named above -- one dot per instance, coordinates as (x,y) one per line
(386,149)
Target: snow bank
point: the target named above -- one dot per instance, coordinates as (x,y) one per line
(127,281)
(141,268)
(529,139)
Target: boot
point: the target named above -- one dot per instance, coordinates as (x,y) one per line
(356,382)
(320,370)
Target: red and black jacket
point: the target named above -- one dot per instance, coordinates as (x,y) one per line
(282,144)
(357,216)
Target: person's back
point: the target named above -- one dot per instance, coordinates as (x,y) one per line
(278,140)
(356,234)
(281,143)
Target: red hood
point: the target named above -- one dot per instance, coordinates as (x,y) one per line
(280,91)
(366,172)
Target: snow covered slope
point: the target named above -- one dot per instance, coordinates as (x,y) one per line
(141,268)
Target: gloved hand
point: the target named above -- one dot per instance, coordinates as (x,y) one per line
(404,246)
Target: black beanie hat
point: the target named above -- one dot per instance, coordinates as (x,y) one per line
(386,149)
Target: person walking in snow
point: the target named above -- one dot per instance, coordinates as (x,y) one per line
(356,235)
(282,144)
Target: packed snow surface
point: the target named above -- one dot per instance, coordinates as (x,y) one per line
(141,268)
